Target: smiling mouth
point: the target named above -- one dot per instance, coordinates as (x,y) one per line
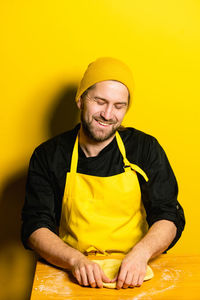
(103,124)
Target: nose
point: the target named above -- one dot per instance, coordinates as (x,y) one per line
(107,113)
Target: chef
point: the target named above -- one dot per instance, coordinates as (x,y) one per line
(102,188)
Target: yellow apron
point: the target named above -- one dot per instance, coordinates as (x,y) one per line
(103,214)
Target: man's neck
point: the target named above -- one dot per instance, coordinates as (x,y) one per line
(91,147)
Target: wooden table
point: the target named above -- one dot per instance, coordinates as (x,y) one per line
(175,277)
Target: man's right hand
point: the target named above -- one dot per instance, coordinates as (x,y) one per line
(88,273)
(49,246)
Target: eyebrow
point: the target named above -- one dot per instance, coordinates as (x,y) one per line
(119,102)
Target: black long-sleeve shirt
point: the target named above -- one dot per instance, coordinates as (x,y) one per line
(52,159)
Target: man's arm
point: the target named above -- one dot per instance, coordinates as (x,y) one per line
(164,214)
(49,246)
(39,222)
(157,240)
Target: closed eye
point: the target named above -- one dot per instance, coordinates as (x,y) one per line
(102,101)
(120,105)
(99,101)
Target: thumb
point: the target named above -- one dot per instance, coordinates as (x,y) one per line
(104,277)
(114,279)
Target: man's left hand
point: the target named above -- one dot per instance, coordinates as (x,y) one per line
(132,270)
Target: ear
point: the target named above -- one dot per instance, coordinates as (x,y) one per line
(79,103)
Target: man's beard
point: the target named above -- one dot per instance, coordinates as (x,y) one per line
(87,129)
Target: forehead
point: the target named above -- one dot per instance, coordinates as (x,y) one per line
(111,89)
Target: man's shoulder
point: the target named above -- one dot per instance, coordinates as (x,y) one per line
(63,141)
(129,134)
(141,148)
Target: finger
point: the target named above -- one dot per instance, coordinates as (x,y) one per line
(84,278)
(121,278)
(91,280)
(90,275)
(141,279)
(128,280)
(98,276)
(134,280)
(77,275)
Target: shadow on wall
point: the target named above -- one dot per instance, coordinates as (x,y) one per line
(18,264)
(64,115)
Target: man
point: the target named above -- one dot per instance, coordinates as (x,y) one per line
(109,189)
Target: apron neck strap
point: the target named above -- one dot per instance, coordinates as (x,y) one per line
(126,162)
(74,161)
(122,149)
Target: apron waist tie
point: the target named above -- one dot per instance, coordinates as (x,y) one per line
(94,251)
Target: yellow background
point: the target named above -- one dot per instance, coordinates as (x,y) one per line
(46,47)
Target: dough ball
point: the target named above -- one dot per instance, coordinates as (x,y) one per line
(111,268)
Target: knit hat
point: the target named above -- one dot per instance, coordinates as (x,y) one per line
(106,68)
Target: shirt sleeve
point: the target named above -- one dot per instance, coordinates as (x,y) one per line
(161,191)
(38,210)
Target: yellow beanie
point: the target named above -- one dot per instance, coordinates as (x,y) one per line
(106,68)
